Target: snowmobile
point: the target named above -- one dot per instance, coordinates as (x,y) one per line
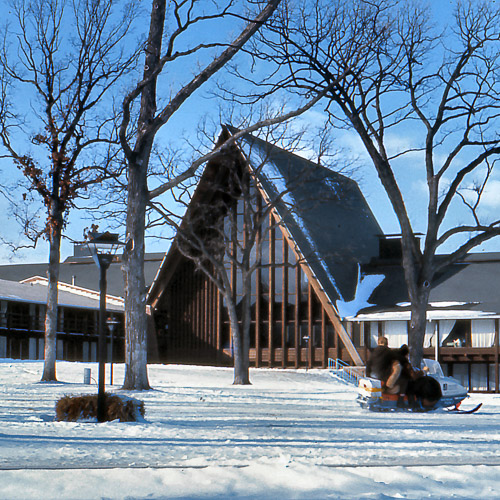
(371,397)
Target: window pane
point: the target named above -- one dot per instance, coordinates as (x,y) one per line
(278,277)
(278,249)
(290,334)
(304,283)
(459,335)
(291,285)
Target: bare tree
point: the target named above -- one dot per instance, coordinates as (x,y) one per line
(164,48)
(229,219)
(221,232)
(402,78)
(62,145)
(211,237)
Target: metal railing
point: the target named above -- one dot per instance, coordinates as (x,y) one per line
(345,372)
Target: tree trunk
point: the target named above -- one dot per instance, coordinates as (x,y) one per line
(416,332)
(245,333)
(50,351)
(418,272)
(136,374)
(241,369)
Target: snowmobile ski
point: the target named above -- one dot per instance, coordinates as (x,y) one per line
(457,409)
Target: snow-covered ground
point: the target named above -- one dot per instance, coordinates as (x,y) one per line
(290,435)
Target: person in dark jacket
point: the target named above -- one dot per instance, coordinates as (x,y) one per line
(391,366)
(379,362)
(407,372)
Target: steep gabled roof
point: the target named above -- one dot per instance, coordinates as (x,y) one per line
(323,215)
(324,212)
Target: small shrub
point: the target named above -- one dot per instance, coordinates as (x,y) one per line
(122,408)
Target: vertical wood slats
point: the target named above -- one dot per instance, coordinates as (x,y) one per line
(198,337)
(297,315)
(325,301)
(186,287)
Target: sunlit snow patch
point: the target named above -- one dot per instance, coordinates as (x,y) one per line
(364,288)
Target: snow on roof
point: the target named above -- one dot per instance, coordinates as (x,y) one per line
(438,304)
(431,315)
(364,289)
(35,291)
(77,290)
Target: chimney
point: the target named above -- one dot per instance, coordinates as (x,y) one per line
(390,246)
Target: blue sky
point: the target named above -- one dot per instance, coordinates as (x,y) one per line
(183,125)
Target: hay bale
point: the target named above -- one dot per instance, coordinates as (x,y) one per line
(122,408)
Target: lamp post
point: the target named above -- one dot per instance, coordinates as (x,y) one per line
(306,338)
(112,323)
(102,247)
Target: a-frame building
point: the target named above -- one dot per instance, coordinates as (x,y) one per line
(319,231)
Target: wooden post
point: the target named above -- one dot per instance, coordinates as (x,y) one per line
(206,318)
(258,292)
(258,317)
(210,314)
(324,344)
(309,344)
(497,350)
(337,340)
(199,312)
(362,334)
(272,296)
(437,341)
(233,285)
(218,326)
(284,302)
(297,316)
(338,346)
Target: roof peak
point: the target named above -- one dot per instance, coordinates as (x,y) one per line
(272,146)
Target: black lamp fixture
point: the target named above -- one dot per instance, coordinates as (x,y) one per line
(103,247)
